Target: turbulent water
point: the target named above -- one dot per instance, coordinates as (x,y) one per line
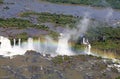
(88,46)
(10,48)
(63,47)
(48,46)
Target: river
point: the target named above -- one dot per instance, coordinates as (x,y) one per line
(14,7)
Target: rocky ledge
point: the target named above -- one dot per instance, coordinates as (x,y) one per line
(33,65)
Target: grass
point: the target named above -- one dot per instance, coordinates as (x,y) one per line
(99,3)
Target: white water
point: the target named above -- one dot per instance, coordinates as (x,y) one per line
(6,49)
(88,46)
(48,47)
(30,44)
(51,46)
(19,42)
(5,43)
(14,42)
(63,47)
(38,46)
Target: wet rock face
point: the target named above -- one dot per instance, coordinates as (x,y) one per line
(34,66)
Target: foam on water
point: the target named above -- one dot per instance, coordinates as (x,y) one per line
(63,47)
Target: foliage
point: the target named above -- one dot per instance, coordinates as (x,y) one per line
(105,38)
(101,3)
(1,1)
(58,19)
(13,22)
(22,35)
(60,59)
(23,24)
(118,77)
(101,36)
(78,46)
(53,34)
(19,23)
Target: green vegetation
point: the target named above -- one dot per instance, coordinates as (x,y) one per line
(98,3)
(53,34)
(22,35)
(24,24)
(105,38)
(101,36)
(13,22)
(58,19)
(60,59)
(118,77)
(1,1)
(19,23)
(78,46)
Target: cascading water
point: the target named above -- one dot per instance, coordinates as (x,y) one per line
(5,43)
(88,46)
(48,46)
(30,44)
(6,49)
(20,47)
(14,42)
(38,46)
(63,47)
(19,42)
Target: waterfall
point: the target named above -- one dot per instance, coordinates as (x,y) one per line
(30,44)
(37,45)
(5,43)
(14,42)
(19,42)
(63,47)
(88,46)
